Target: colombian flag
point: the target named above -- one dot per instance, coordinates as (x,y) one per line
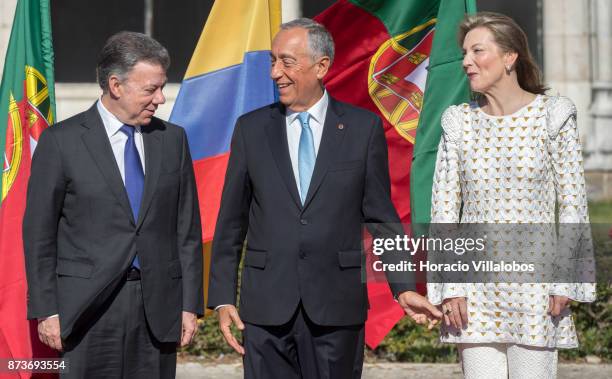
(228,75)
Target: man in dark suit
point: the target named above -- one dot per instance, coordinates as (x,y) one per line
(112,230)
(303,176)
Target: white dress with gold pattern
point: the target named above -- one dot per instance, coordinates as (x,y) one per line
(511,169)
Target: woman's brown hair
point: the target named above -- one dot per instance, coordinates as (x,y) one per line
(510,38)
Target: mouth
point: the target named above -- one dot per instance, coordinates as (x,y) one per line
(282,86)
(471,75)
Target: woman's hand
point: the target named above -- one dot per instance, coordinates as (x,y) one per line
(556,304)
(455,312)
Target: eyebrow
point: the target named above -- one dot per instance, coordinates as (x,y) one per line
(282,56)
(155,85)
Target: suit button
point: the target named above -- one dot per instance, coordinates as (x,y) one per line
(304,222)
(302,255)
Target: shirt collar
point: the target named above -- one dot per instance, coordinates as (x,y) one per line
(111,123)
(316,111)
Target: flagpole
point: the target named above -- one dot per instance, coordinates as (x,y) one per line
(470,6)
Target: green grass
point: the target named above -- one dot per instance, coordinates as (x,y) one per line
(600,212)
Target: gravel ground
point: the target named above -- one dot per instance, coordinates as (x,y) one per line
(391,371)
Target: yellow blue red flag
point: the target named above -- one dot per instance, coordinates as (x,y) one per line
(228,75)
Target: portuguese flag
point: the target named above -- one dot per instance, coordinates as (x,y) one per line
(400,59)
(27,107)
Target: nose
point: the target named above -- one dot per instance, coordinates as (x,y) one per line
(275,71)
(159,97)
(467,61)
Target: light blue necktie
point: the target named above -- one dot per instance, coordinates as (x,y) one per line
(306,155)
(134,176)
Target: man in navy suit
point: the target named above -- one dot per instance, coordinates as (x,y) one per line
(304,175)
(111,230)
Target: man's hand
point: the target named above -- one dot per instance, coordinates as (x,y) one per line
(228,315)
(419,308)
(190,325)
(556,304)
(455,312)
(49,333)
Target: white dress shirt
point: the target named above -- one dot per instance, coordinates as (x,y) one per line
(294,131)
(117,138)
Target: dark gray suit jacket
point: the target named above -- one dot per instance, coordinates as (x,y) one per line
(310,253)
(80,236)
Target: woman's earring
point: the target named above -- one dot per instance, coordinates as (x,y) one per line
(508,69)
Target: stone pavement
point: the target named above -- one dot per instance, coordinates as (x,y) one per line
(392,371)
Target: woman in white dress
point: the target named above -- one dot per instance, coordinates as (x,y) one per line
(512,156)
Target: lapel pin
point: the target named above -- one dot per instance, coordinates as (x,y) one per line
(341,126)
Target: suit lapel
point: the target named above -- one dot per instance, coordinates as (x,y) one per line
(96,141)
(277,138)
(328,149)
(153,156)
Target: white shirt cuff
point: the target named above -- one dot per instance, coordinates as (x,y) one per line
(48,317)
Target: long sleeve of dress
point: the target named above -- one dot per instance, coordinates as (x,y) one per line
(446,197)
(574,242)
(446,192)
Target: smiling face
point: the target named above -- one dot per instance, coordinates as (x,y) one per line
(136,97)
(297,76)
(484,62)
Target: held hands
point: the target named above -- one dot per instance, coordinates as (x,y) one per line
(228,315)
(49,333)
(190,325)
(455,312)
(419,309)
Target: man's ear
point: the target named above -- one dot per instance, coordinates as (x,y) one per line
(114,86)
(322,67)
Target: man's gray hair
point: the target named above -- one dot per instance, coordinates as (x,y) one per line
(123,51)
(320,41)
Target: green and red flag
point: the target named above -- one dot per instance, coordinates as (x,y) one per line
(27,107)
(400,59)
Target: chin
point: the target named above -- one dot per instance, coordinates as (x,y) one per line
(478,89)
(285,101)
(481,87)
